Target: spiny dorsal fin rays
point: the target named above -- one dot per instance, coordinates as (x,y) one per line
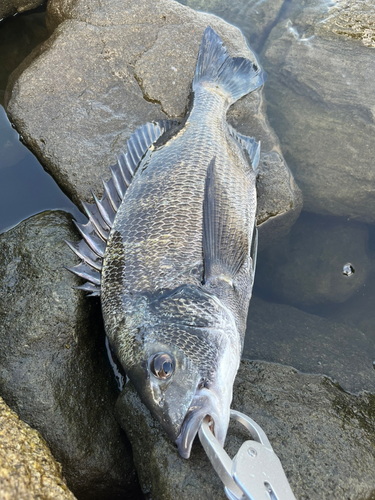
(224,247)
(96,220)
(110,192)
(91,237)
(102,213)
(87,272)
(118,180)
(105,209)
(84,252)
(93,290)
(250,145)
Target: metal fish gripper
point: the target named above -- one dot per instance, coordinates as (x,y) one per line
(255,473)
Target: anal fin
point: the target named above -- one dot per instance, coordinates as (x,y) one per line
(225,247)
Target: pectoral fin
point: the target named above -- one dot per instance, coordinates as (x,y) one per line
(225,247)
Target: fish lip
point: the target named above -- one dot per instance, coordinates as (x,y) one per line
(204,403)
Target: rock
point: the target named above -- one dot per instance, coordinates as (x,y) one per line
(323,436)
(27,467)
(255,18)
(107,70)
(306,268)
(54,371)
(12,7)
(359,311)
(320,100)
(286,335)
(162,472)
(18,36)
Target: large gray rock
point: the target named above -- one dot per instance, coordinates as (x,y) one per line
(12,7)
(28,470)
(54,370)
(323,436)
(286,335)
(306,268)
(108,69)
(320,99)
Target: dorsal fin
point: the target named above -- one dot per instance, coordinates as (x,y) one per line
(249,144)
(224,247)
(102,213)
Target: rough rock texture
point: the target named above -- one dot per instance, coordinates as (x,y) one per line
(286,335)
(12,7)
(320,102)
(107,69)
(54,370)
(306,267)
(27,467)
(324,437)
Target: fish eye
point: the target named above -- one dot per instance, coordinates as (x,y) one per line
(162,365)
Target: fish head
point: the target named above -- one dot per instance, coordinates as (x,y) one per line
(166,381)
(187,367)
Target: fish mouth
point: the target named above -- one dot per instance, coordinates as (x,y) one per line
(204,404)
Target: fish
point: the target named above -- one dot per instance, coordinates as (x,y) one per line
(171,250)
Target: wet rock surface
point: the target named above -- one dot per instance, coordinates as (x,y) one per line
(108,69)
(12,7)
(260,16)
(283,334)
(162,472)
(307,267)
(320,96)
(27,467)
(323,436)
(17,42)
(54,370)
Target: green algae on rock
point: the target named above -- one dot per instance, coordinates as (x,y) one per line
(27,468)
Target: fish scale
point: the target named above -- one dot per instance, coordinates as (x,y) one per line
(151,232)
(173,245)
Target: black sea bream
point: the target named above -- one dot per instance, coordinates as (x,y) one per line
(171,250)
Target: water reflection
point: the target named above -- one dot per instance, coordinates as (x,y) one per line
(25,188)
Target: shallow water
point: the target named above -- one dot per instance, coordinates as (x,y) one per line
(25,188)
(307,281)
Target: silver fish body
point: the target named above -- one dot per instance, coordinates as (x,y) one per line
(179,261)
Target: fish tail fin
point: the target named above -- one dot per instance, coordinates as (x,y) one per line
(237,76)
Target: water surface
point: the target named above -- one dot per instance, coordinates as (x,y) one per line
(25,188)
